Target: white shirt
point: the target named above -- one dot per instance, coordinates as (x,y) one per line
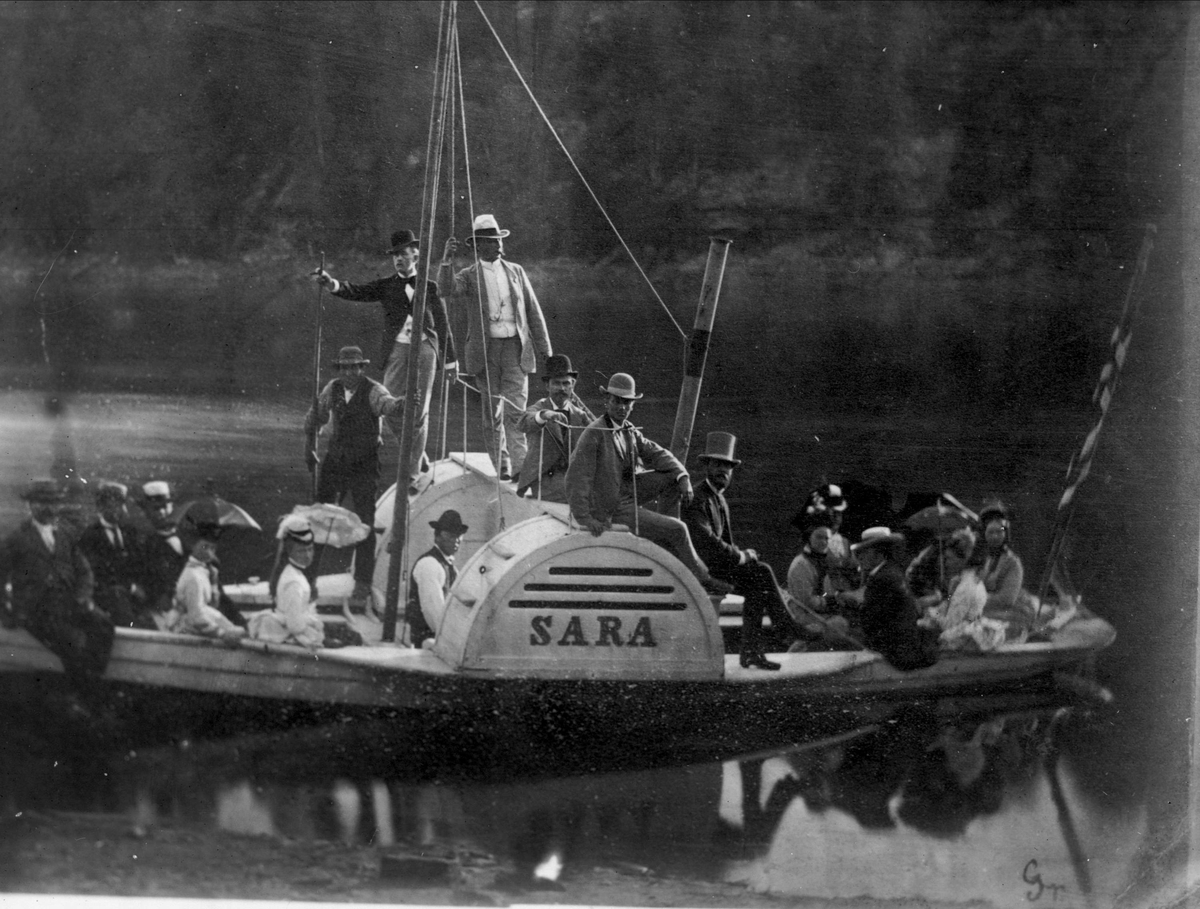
(114,534)
(502,315)
(430,577)
(47,534)
(404,336)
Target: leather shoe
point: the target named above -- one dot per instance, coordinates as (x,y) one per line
(757,661)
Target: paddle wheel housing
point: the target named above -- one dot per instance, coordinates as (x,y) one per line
(541,600)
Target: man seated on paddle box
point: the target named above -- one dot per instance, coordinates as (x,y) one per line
(708,521)
(552,427)
(433,575)
(601,485)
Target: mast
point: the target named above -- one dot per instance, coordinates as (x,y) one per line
(693,375)
(433,152)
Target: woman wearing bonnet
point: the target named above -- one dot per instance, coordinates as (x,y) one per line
(294,620)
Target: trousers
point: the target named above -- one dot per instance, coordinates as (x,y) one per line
(395,379)
(669,533)
(505,397)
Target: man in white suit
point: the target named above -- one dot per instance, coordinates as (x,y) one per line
(506,333)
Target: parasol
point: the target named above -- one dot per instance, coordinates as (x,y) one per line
(215,510)
(333,525)
(942,519)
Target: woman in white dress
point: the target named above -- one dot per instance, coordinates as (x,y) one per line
(294,620)
(959,614)
(194,609)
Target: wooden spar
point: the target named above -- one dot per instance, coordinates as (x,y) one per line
(412,404)
(693,374)
(315,432)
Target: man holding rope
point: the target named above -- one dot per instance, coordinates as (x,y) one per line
(552,426)
(506,332)
(395,294)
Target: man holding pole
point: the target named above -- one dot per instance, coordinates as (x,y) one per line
(396,294)
(353,404)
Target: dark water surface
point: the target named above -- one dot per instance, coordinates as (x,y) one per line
(1007,802)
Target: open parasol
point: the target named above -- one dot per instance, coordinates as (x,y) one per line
(942,519)
(333,525)
(215,510)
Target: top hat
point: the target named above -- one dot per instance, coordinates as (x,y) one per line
(486,228)
(401,239)
(158,490)
(449,522)
(112,491)
(720,446)
(295,528)
(622,385)
(557,367)
(350,356)
(43,491)
(874,536)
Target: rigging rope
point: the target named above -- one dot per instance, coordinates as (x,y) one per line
(578,172)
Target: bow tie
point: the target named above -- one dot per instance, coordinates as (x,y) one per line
(411,280)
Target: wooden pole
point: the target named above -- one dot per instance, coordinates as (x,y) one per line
(314,433)
(693,374)
(412,402)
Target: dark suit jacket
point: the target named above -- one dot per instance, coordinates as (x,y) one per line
(34,570)
(110,565)
(390,293)
(889,621)
(162,566)
(707,519)
(602,466)
(550,445)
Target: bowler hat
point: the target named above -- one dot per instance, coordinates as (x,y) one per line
(401,239)
(558,366)
(449,522)
(43,491)
(622,385)
(112,491)
(720,446)
(350,356)
(486,228)
(875,536)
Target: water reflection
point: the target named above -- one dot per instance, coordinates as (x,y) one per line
(927,803)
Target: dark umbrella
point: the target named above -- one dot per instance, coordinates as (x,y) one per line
(942,519)
(215,510)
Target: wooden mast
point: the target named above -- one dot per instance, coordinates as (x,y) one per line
(693,375)
(412,404)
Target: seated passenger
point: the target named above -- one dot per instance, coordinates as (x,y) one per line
(552,426)
(811,600)
(433,575)
(958,615)
(1003,574)
(197,592)
(294,619)
(114,550)
(889,610)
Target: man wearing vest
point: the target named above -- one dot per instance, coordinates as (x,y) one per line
(353,405)
(506,332)
(552,426)
(433,575)
(396,294)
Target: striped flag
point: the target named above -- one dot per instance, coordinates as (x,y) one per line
(1081,462)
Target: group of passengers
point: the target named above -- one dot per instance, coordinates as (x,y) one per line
(964,590)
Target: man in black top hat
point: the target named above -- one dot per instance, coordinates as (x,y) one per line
(52,589)
(433,575)
(506,333)
(353,404)
(708,521)
(396,294)
(552,426)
